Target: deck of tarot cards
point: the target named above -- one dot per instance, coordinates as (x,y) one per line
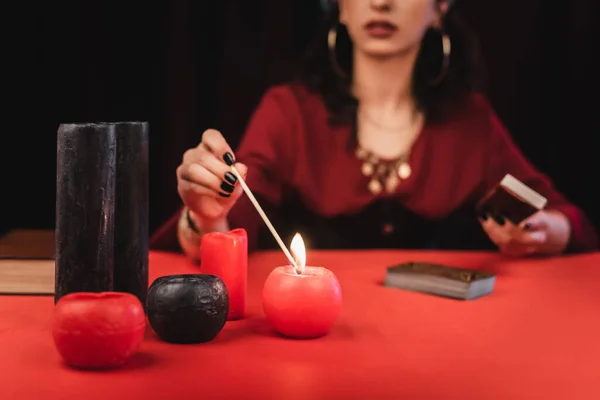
(513,200)
(440,280)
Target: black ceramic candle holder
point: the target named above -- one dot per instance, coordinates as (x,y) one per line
(187,309)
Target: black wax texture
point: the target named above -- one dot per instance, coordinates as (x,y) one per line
(131,210)
(189,308)
(85,193)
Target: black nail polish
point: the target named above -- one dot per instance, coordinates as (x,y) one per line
(228,158)
(226,187)
(527,226)
(224,194)
(229,177)
(499,220)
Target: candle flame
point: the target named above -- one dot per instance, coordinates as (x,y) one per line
(299,252)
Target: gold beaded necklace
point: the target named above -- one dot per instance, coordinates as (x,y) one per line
(386,174)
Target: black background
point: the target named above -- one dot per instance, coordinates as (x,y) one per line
(185,66)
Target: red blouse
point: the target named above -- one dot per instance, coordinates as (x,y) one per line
(307,176)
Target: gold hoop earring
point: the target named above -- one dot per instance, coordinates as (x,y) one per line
(447,50)
(332,44)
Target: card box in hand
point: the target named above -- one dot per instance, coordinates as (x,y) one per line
(440,280)
(513,200)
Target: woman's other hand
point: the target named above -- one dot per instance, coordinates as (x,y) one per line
(544,233)
(205,182)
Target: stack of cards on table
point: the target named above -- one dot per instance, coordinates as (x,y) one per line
(440,280)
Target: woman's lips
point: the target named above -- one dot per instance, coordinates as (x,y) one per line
(380,29)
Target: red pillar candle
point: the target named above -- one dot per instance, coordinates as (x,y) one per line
(225,254)
(303,303)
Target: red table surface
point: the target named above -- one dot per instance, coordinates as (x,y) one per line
(536,336)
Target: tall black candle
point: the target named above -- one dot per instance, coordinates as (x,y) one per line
(85,193)
(131,210)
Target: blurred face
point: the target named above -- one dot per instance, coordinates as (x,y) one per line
(386,28)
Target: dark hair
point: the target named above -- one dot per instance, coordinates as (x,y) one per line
(464,74)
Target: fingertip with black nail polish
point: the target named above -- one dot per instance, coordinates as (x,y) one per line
(230,178)
(228,158)
(224,194)
(499,219)
(227,188)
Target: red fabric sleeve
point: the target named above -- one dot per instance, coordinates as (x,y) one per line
(267,150)
(505,158)
(165,237)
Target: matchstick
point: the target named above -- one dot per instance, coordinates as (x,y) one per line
(264,217)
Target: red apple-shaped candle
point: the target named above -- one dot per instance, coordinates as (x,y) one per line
(301,302)
(98,330)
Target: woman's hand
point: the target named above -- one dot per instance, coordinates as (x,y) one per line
(205,182)
(544,233)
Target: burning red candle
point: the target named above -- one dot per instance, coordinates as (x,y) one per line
(226,256)
(302,303)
